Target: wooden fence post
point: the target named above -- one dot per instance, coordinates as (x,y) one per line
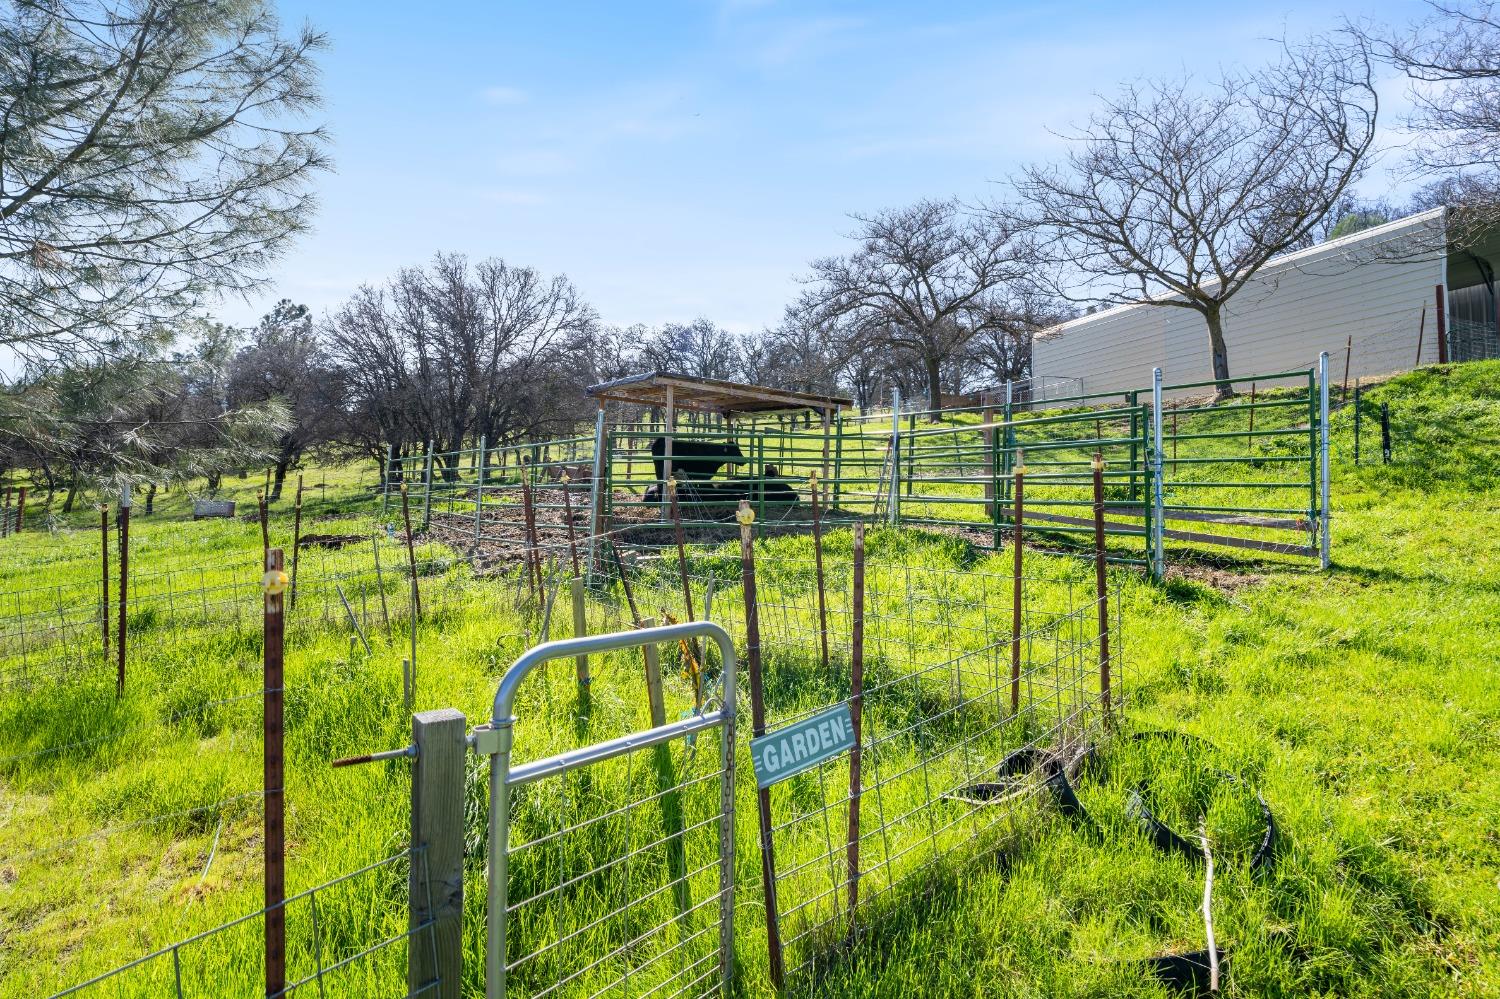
(758,728)
(20,510)
(274,583)
(434,952)
(655,701)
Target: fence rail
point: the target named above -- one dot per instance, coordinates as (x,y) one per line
(1231,467)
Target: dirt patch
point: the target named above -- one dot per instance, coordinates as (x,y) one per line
(330,540)
(1223,580)
(502,540)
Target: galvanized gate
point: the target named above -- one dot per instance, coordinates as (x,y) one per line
(654,938)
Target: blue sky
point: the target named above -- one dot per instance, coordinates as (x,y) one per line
(684,159)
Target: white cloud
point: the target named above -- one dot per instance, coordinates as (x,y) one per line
(504,96)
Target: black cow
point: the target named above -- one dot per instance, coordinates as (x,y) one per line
(694,459)
(727,494)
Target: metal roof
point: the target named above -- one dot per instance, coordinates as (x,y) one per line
(712,395)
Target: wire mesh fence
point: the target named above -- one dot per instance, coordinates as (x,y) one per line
(938,660)
(949,691)
(340,944)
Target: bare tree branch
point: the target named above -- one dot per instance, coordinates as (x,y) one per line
(1177,195)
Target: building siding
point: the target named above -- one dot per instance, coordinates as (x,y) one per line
(1371,287)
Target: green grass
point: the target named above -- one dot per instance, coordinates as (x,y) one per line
(1362,703)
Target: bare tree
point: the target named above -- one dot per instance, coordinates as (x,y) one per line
(1002,350)
(921,284)
(149,155)
(284,361)
(699,348)
(1453,60)
(1176,196)
(794,356)
(1456,52)
(455,351)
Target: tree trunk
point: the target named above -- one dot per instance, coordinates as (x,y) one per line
(1220,352)
(150,498)
(282,463)
(67,506)
(934,386)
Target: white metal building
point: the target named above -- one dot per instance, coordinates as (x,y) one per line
(1381,286)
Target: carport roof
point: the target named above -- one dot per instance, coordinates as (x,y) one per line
(711,395)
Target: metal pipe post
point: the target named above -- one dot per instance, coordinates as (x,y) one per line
(427,490)
(596,491)
(479,486)
(1325,544)
(385,483)
(1158,502)
(1101,587)
(893,499)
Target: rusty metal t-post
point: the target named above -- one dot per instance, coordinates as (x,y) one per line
(687,590)
(568,516)
(1015,613)
(265,525)
(104,575)
(122,629)
(296,540)
(274,583)
(411,559)
(746,518)
(817,533)
(1101,591)
(856,712)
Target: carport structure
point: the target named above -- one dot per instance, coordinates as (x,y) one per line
(674,394)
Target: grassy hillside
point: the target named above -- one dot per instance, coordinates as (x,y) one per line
(1362,703)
